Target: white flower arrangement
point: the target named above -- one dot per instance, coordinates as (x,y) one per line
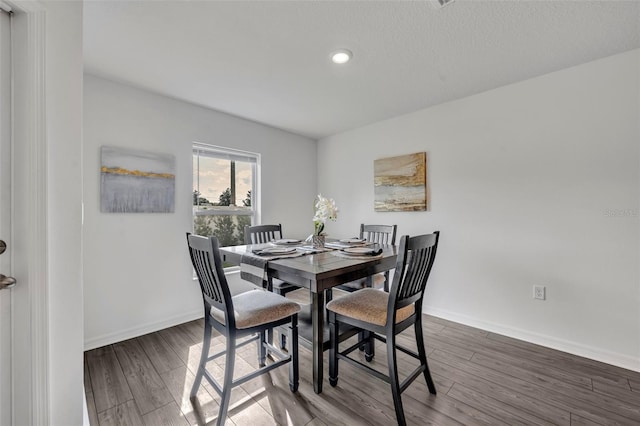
(325,210)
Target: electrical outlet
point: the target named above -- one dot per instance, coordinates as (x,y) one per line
(539,292)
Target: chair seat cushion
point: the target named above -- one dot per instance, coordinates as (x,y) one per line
(368,305)
(378,282)
(254,308)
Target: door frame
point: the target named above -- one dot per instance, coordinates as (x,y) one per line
(5,215)
(30,298)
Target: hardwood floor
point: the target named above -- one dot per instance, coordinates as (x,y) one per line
(481,378)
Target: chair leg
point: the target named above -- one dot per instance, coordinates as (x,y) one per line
(283,341)
(370,349)
(423,356)
(206,344)
(393,378)
(294,371)
(333,349)
(228,379)
(262,349)
(270,335)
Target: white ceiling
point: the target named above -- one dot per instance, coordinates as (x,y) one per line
(268,61)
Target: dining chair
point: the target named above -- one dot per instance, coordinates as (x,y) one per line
(383,316)
(247,315)
(380,234)
(262,234)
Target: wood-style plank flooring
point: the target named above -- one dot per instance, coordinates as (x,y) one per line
(481,378)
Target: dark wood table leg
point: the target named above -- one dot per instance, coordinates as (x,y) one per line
(317,320)
(369,348)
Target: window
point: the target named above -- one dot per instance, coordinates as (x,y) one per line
(224,192)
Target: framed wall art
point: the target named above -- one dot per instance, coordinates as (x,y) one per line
(400,183)
(136,181)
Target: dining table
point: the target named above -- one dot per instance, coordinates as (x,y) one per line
(318,272)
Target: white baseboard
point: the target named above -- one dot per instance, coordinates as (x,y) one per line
(574,348)
(143,329)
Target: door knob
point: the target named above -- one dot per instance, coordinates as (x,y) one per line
(3,246)
(6,282)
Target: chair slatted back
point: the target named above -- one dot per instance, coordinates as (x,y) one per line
(381,234)
(415,260)
(206,260)
(260,234)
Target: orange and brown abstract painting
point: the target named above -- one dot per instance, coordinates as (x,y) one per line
(401,183)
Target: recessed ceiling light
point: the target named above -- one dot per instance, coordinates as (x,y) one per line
(438,4)
(341,56)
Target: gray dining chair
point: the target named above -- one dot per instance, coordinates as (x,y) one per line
(383,316)
(262,234)
(380,234)
(248,314)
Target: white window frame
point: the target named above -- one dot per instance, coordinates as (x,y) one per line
(233,155)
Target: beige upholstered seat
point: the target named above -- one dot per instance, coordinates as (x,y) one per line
(368,305)
(253,308)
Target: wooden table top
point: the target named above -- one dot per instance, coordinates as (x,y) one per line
(319,271)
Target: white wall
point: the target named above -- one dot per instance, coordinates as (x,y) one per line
(523,180)
(137,272)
